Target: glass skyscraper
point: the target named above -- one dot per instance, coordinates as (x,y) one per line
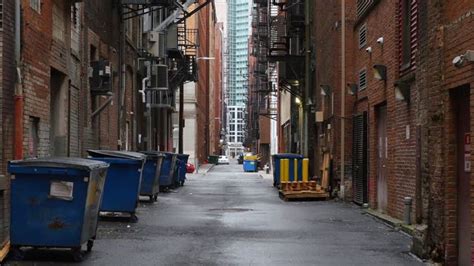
(237,71)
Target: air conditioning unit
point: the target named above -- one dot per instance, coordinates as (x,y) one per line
(156,43)
(158,77)
(100,77)
(153,36)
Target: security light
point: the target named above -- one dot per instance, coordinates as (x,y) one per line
(402,91)
(298,100)
(352,88)
(325,90)
(380,72)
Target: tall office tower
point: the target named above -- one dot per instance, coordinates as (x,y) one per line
(237,75)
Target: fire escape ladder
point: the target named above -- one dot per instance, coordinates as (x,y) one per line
(187,44)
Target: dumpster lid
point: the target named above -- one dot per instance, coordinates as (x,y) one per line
(184,156)
(288,155)
(153,154)
(117,154)
(61,162)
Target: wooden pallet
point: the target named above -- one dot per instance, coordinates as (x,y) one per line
(303,195)
(4,251)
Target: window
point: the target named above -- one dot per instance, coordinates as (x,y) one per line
(408,34)
(33,139)
(59,23)
(405,31)
(363,6)
(363,36)
(36,5)
(1,14)
(362,79)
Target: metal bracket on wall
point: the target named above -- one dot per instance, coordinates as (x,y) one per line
(102,107)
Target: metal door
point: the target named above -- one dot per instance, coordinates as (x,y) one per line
(359,159)
(382,154)
(461,103)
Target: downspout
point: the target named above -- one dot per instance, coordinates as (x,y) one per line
(307,86)
(18,97)
(343,96)
(121,72)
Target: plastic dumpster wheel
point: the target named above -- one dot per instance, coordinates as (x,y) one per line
(152,198)
(77,254)
(90,244)
(155,198)
(16,253)
(133,218)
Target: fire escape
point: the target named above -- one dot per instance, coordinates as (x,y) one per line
(286,44)
(265,91)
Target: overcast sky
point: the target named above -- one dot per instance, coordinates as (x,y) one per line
(221,10)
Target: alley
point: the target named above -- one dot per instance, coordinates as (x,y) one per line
(228,217)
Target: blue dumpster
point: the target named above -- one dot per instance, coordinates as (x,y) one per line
(55,203)
(151,175)
(276,167)
(250,166)
(167,170)
(122,187)
(183,158)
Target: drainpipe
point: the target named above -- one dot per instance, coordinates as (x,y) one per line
(343,96)
(307,86)
(18,97)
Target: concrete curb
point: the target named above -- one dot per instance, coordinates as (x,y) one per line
(393,222)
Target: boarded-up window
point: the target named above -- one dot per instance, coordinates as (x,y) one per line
(33,138)
(59,23)
(408,34)
(75,26)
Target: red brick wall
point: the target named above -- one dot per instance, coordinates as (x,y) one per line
(203,85)
(7,83)
(327,34)
(457,39)
(217,98)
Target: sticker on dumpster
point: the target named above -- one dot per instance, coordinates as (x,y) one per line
(61,190)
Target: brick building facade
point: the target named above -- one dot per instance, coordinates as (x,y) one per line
(208,133)
(7,88)
(407,113)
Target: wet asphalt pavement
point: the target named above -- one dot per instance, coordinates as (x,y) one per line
(228,217)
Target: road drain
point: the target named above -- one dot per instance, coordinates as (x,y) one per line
(230,210)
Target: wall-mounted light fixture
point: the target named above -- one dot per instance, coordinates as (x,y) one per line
(298,100)
(294,82)
(380,72)
(326,90)
(352,89)
(460,60)
(402,91)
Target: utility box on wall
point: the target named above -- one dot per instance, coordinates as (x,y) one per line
(100,77)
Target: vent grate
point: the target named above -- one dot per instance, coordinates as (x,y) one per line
(363,79)
(363,36)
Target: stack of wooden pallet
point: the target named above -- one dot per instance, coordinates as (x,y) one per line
(299,188)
